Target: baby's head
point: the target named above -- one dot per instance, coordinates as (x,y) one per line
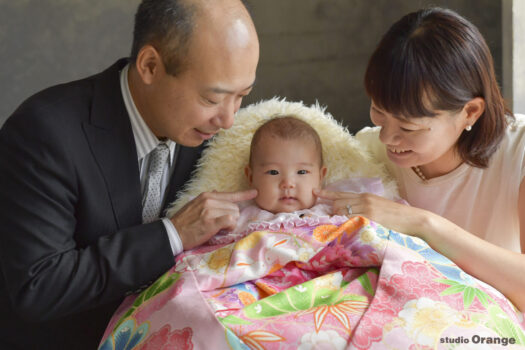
(286,164)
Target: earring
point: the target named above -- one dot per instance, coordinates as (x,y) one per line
(468,128)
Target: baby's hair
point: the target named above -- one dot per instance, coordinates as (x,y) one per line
(288,127)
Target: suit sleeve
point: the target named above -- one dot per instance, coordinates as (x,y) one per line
(47,275)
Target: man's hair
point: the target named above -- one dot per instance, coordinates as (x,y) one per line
(287,127)
(434,59)
(167,25)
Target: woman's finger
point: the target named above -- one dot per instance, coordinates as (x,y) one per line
(345,206)
(331,195)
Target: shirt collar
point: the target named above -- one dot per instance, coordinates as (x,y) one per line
(145,139)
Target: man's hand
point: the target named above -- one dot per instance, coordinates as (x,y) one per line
(207,214)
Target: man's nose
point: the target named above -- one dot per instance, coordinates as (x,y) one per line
(224,119)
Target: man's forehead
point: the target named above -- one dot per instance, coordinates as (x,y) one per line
(225,90)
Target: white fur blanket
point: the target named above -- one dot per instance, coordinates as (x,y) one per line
(221,166)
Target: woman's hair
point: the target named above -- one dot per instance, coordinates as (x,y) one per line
(434,59)
(287,127)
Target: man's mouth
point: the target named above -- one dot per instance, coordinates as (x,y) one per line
(206,135)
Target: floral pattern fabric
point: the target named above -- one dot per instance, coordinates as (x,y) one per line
(348,284)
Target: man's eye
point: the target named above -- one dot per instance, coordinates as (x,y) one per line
(208,101)
(407,130)
(302,172)
(272,172)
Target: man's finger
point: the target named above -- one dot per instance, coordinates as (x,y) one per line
(225,222)
(234,196)
(212,214)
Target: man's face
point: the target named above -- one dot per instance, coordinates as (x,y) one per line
(285,172)
(191,107)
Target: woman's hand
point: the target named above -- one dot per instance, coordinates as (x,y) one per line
(393,215)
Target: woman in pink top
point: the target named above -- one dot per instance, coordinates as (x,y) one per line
(456,151)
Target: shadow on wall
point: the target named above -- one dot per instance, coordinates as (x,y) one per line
(310,49)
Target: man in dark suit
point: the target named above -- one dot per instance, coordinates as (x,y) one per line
(74,160)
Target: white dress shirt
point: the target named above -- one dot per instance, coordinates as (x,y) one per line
(146,142)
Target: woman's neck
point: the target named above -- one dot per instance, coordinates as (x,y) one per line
(441,166)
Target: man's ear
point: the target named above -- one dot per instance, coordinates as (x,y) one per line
(248,174)
(474,109)
(148,64)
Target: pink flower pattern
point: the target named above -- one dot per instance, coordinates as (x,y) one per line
(282,322)
(151,306)
(165,339)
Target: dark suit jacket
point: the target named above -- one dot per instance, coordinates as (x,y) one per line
(71,240)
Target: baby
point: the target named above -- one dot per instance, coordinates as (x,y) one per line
(285,166)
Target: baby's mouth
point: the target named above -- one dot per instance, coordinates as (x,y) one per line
(287,198)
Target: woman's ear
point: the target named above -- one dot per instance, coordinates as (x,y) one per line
(474,109)
(148,64)
(248,173)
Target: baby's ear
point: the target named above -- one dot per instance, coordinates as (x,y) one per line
(248,173)
(323,172)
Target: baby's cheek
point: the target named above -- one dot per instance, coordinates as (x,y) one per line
(263,202)
(309,200)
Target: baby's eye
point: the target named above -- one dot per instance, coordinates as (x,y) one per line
(302,172)
(272,172)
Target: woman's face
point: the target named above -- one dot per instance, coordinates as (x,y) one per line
(428,142)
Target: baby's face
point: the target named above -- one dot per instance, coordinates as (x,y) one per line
(285,172)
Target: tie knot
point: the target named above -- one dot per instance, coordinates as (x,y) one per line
(162,147)
(158,157)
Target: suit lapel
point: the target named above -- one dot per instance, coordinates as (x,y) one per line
(185,164)
(111,140)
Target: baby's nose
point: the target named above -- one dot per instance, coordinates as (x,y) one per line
(287,183)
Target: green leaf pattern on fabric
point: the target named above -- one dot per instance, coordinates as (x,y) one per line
(499,321)
(501,324)
(324,290)
(365,281)
(163,283)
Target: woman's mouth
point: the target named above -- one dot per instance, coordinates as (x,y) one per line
(398,151)
(398,155)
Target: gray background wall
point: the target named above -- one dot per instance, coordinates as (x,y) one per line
(310,49)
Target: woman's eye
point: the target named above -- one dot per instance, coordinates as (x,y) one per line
(272,172)
(302,172)
(407,130)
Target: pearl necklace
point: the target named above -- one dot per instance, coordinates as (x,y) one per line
(419,173)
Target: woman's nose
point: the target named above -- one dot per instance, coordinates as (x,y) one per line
(388,135)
